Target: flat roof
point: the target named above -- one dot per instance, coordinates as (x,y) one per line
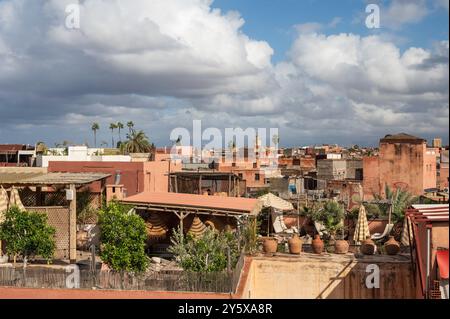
(197,173)
(39,178)
(232,205)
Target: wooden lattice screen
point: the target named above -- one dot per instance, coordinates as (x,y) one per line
(58,217)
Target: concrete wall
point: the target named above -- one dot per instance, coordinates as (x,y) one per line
(331,169)
(327,277)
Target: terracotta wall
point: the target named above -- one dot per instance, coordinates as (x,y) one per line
(371,178)
(136,177)
(327,277)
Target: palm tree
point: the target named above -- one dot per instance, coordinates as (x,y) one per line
(112,127)
(399,199)
(137,143)
(95,127)
(130,125)
(120,127)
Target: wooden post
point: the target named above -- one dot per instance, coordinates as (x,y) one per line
(229,185)
(38,196)
(200,185)
(73,226)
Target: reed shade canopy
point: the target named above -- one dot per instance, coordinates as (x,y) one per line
(407,232)
(3,203)
(362,226)
(156,227)
(197,228)
(14,199)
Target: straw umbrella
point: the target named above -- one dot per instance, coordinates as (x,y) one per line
(14,199)
(3,209)
(407,232)
(156,228)
(3,203)
(197,227)
(362,226)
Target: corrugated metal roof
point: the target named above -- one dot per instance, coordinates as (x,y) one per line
(38,178)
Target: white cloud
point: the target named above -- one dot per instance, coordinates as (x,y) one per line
(163,63)
(401,12)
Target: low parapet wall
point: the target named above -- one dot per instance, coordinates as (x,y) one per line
(328,277)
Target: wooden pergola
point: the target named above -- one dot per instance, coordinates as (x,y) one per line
(183,205)
(197,178)
(70,181)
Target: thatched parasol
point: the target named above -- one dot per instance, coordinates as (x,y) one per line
(156,228)
(197,227)
(407,232)
(3,203)
(14,199)
(362,226)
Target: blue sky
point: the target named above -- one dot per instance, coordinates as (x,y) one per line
(274,21)
(310,68)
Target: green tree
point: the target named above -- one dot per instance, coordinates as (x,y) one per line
(123,239)
(137,143)
(400,201)
(331,215)
(205,254)
(95,127)
(120,128)
(130,126)
(27,235)
(112,127)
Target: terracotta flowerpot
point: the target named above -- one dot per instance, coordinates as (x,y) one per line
(270,245)
(295,245)
(341,247)
(392,246)
(317,245)
(368,246)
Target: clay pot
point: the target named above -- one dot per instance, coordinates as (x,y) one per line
(270,245)
(392,246)
(317,245)
(368,246)
(295,245)
(341,247)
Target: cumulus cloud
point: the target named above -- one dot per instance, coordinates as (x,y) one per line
(164,63)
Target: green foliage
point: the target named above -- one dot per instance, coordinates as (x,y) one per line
(123,238)
(331,215)
(372,211)
(250,232)
(27,234)
(400,200)
(207,253)
(137,142)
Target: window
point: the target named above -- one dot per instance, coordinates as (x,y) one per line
(257,177)
(240,175)
(233,165)
(255,165)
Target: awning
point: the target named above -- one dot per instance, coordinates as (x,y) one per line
(442,260)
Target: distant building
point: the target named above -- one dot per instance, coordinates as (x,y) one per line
(330,169)
(442,174)
(16,155)
(404,161)
(78,154)
(437,143)
(134,177)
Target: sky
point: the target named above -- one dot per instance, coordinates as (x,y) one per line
(310,68)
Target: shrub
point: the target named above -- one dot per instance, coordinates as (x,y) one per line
(27,235)
(208,253)
(123,238)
